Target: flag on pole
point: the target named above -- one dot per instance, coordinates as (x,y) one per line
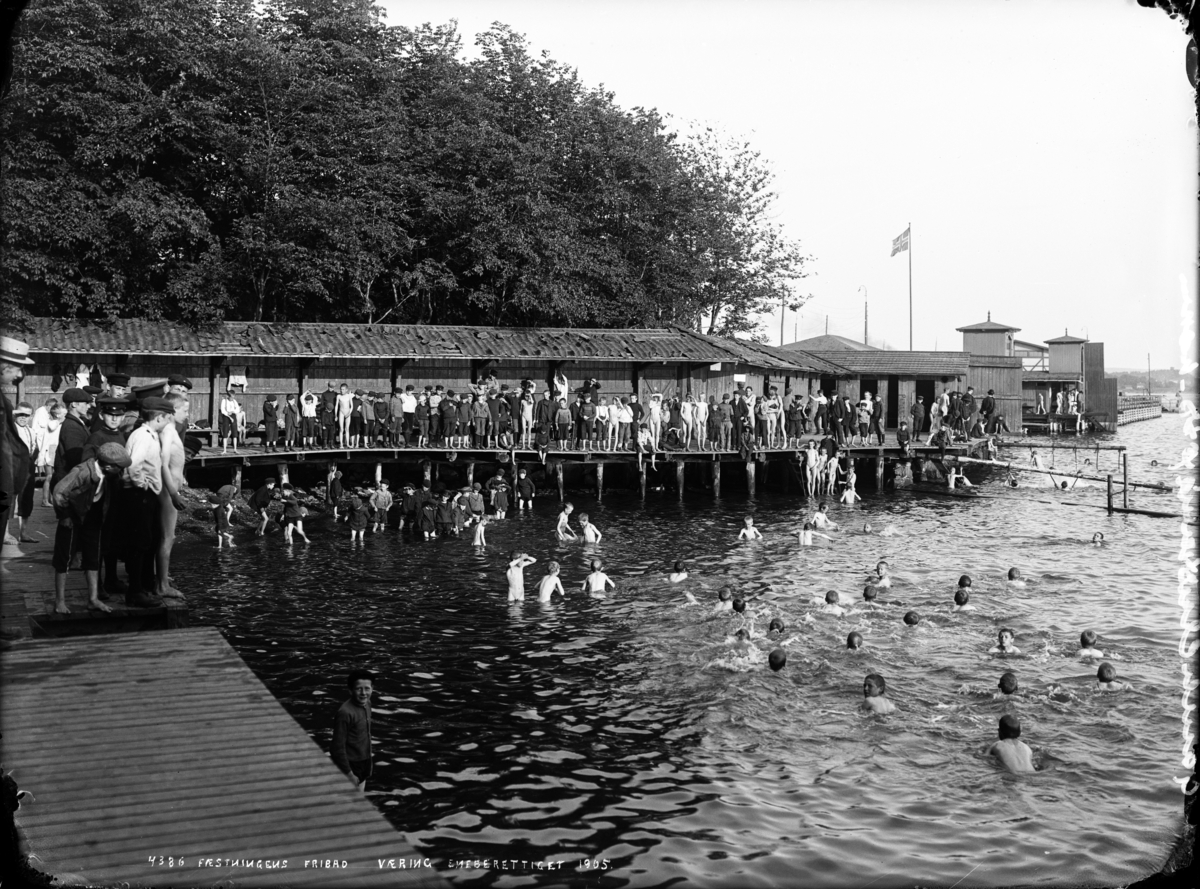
(901,241)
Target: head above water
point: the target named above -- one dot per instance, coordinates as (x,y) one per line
(870,593)
(1106,672)
(776,626)
(911,618)
(964,581)
(553,568)
(777,659)
(678,567)
(1008,683)
(741,635)
(1014,573)
(596,565)
(962,597)
(808,526)
(739,605)
(1010,727)
(1087,639)
(874,686)
(831,597)
(725,594)
(854,641)
(1097,537)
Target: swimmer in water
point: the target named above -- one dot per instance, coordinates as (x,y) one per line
(749,532)
(1015,578)
(888,531)
(831,604)
(1004,643)
(870,594)
(776,626)
(739,605)
(479,539)
(777,659)
(516,575)
(1097,539)
(867,528)
(725,600)
(563,528)
(1013,753)
(962,601)
(821,518)
(883,577)
(550,583)
(591,534)
(1087,645)
(806,534)
(964,582)
(1008,683)
(854,641)
(911,618)
(1106,679)
(874,689)
(678,574)
(595,582)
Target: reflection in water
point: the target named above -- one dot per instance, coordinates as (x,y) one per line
(634,729)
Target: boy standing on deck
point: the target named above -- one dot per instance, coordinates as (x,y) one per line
(270,414)
(351,748)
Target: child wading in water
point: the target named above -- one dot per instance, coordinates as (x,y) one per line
(591,534)
(595,582)
(548,584)
(222,513)
(563,528)
(359,518)
(874,689)
(479,539)
(1004,643)
(749,532)
(516,575)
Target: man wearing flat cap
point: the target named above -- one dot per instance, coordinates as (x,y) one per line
(153,389)
(180,384)
(118,385)
(72,435)
(112,430)
(16,462)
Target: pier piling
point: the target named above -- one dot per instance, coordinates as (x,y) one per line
(281,470)
(1110,494)
(750,477)
(599,481)
(716,478)
(558,474)
(679,464)
(237,477)
(1124,480)
(378,474)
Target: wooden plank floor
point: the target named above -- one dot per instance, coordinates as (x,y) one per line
(144,745)
(27,592)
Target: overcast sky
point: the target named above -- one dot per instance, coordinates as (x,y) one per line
(1043,150)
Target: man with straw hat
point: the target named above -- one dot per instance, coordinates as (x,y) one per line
(16,462)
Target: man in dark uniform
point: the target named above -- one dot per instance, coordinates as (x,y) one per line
(968,409)
(986,409)
(877,418)
(918,415)
(328,413)
(72,435)
(837,412)
(110,412)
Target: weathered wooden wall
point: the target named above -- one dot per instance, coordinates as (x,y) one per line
(1004,376)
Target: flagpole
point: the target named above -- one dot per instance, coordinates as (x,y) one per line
(910,339)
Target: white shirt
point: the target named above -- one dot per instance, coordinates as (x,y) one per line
(408,403)
(145,450)
(308,405)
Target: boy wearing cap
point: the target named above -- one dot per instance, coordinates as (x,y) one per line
(328,412)
(72,435)
(81,500)
(383,414)
(270,422)
(23,416)
(222,505)
(170,497)
(16,463)
(179,384)
(143,485)
(291,422)
(360,411)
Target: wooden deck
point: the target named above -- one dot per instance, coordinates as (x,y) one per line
(27,593)
(159,759)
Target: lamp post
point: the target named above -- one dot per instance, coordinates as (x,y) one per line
(863,288)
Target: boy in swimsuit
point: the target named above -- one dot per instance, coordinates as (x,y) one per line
(516,575)
(821,520)
(725,600)
(678,574)
(550,583)
(1014,577)
(591,534)
(777,660)
(882,578)
(806,534)
(525,490)
(962,602)
(749,532)
(831,604)
(874,689)
(594,584)
(563,529)
(1004,643)
(479,539)
(1013,753)
(1087,645)
(1106,679)
(911,618)
(854,641)
(1008,683)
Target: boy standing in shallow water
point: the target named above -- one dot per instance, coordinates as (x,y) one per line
(1013,753)
(516,575)
(351,747)
(595,583)
(591,534)
(550,583)
(874,689)
(563,528)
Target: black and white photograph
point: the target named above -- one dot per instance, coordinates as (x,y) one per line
(593,443)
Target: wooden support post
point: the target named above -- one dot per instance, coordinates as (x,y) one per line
(471,473)
(237,477)
(378,473)
(599,481)
(716,478)
(437,471)
(1124,481)
(281,469)
(750,477)
(214,373)
(679,469)
(558,474)
(879,469)
(1110,494)
(427,473)
(642,480)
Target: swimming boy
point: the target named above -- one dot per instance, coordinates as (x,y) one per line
(1106,679)
(1004,643)
(777,660)
(831,604)
(882,578)
(1097,539)
(1087,645)
(874,689)
(678,573)
(854,641)
(1013,753)
(911,618)
(775,626)
(749,532)
(1008,683)
(595,582)
(964,582)
(806,534)
(962,601)
(563,529)
(1014,577)
(351,747)
(724,600)
(821,519)
(479,539)
(591,534)
(548,584)
(516,575)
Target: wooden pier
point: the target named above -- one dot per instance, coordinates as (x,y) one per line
(159,759)
(431,460)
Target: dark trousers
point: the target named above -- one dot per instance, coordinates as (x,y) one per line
(142,528)
(877,428)
(270,433)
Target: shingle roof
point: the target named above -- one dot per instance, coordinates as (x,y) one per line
(771,357)
(242,338)
(828,343)
(881,363)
